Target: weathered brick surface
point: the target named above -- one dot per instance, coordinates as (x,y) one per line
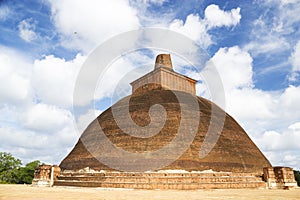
(233,152)
(181,181)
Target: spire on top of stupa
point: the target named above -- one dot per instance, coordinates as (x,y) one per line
(163,60)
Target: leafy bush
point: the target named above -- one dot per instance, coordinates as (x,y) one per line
(9,167)
(297,177)
(26,173)
(11,170)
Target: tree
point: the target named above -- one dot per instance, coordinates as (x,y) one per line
(12,172)
(26,173)
(9,167)
(297,177)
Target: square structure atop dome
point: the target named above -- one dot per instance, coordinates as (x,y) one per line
(163,77)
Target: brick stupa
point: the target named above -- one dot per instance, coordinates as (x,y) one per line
(234,161)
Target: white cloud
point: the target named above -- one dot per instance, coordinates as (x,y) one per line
(84,24)
(215,17)
(40,131)
(287,158)
(275,29)
(284,2)
(288,15)
(193,27)
(286,140)
(234,67)
(157,2)
(54,78)
(250,105)
(295,126)
(14,76)
(266,38)
(246,103)
(27,30)
(22,138)
(46,118)
(32,145)
(114,83)
(197,29)
(4,12)
(27,129)
(267,43)
(288,104)
(295,57)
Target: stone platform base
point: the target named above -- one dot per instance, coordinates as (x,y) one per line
(159,180)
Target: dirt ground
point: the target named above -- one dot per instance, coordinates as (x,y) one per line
(33,192)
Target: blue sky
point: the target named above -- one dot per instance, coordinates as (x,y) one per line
(255,45)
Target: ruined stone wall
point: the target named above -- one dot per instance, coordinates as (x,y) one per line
(43,172)
(45,175)
(279,177)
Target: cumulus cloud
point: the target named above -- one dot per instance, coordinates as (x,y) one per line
(288,103)
(15,84)
(243,101)
(197,28)
(32,145)
(85,24)
(283,147)
(54,79)
(27,128)
(46,118)
(215,17)
(114,81)
(194,28)
(234,66)
(27,30)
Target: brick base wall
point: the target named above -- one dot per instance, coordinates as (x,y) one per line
(186,181)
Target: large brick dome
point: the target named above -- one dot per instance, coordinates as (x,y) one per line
(233,152)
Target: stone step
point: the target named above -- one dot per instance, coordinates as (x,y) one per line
(117,179)
(187,186)
(129,174)
(155,180)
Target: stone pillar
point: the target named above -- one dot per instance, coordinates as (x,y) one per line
(269,177)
